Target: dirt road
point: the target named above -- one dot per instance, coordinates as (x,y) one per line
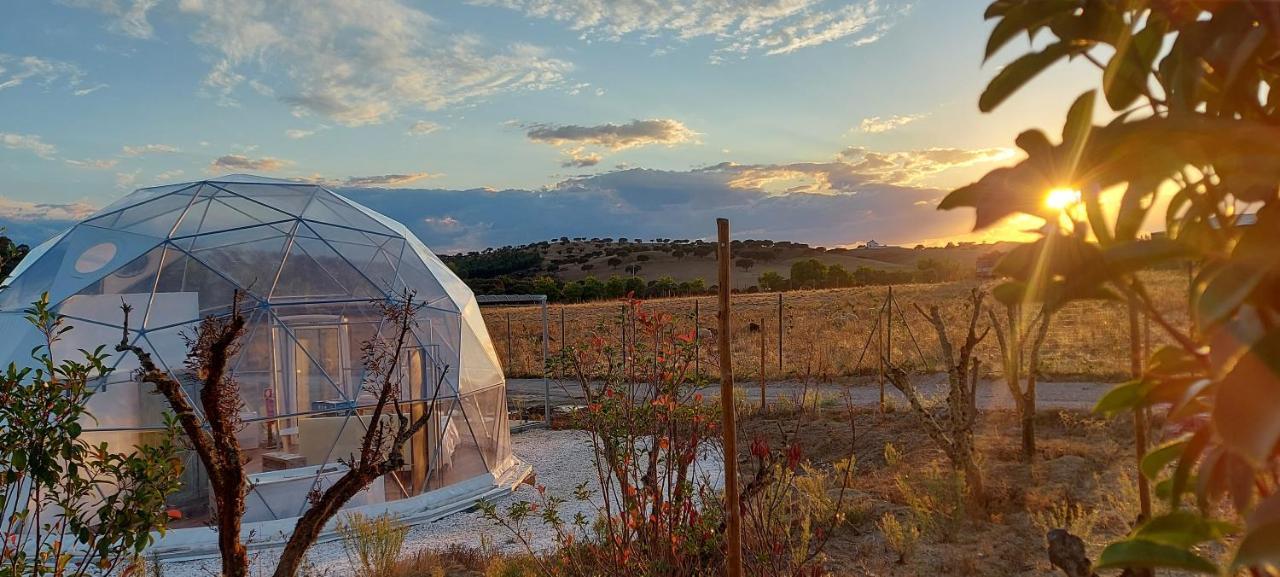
(991,394)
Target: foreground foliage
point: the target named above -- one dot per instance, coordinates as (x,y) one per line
(655,441)
(1192,87)
(71,507)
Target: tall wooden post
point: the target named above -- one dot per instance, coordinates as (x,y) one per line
(697,344)
(780,371)
(880,353)
(733,527)
(1139,414)
(546,378)
(888,327)
(763,404)
(622,332)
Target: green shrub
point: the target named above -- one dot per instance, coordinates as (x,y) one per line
(373,544)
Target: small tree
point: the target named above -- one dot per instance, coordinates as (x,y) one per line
(772,281)
(614,262)
(952,429)
(382,449)
(69,507)
(213,437)
(1012,347)
(745,264)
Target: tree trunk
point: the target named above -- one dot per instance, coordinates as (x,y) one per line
(1028,414)
(235,557)
(312,522)
(975,489)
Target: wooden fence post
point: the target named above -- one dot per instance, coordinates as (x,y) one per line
(763,404)
(733,527)
(781,372)
(697,344)
(1139,414)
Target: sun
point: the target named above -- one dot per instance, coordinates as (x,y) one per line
(1061,198)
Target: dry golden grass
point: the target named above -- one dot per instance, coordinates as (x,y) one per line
(825,331)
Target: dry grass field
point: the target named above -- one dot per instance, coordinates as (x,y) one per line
(824,332)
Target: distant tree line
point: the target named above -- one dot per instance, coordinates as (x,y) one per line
(814,274)
(591,288)
(11,254)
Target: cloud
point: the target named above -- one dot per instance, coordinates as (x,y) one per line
(90,90)
(854,195)
(876,124)
(169,175)
(127,180)
(817,28)
(737,26)
(357,62)
(94,164)
(300,133)
(128,17)
(423,128)
(21,210)
(16,70)
(614,136)
(31,142)
(147,149)
(577,158)
(240,162)
(385,180)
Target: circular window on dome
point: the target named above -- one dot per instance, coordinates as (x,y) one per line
(96,257)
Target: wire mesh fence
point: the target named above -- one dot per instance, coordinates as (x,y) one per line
(825,335)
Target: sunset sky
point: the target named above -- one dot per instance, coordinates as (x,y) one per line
(491,122)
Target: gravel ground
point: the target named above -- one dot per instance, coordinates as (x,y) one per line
(561,460)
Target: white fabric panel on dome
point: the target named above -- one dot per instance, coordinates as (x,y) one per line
(32,256)
(480,366)
(81,257)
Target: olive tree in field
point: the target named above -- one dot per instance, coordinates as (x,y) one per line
(1022,386)
(1193,134)
(69,507)
(951,427)
(213,436)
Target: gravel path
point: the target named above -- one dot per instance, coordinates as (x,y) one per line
(991,394)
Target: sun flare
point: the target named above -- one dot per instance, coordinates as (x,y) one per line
(1061,198)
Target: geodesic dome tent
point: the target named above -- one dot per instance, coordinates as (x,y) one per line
(310,266)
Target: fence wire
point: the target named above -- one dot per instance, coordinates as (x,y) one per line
(826,335)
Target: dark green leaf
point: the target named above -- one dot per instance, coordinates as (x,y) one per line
(1122,397)
(1135,553)
(1024,17)
(1157,459)
(1125,77)
(1229,287)
(1182,528)
(1018,72)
